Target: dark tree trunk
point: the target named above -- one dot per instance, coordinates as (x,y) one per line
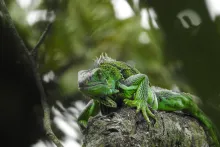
(20,123)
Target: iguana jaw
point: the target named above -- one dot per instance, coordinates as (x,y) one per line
(95,82)
(88,82)
(98,89)
(91,86)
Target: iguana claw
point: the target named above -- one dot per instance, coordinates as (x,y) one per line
(141,106)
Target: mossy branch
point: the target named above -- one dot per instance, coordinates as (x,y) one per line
(126,128)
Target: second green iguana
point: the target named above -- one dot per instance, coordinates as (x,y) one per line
(109,81)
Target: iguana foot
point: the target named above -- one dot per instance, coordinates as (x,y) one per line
(141,106)
(82,124)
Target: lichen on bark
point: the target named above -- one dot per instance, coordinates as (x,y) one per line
(125,128)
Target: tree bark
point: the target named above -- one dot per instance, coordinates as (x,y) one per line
(125,128)
(21,90)
(19,94)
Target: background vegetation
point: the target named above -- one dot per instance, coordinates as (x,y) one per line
(177,44)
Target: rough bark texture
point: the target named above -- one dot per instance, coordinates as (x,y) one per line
(19,95)
(125,128)
(22,94)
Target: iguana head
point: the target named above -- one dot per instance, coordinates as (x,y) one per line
(96,82)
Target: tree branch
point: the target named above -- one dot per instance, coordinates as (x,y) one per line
(125,128)
(34,51)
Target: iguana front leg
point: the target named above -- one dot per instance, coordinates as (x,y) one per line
(92,108)
(143,97)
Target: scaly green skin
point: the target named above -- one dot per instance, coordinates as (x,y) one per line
(110,80)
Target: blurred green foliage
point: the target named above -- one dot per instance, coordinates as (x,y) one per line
(83,29)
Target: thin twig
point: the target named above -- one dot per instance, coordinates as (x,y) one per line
(47,123)
(46,120)
(34,51)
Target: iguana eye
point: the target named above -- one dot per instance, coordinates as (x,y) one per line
(99,74)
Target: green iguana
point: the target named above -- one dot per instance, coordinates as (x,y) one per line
(110,83)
